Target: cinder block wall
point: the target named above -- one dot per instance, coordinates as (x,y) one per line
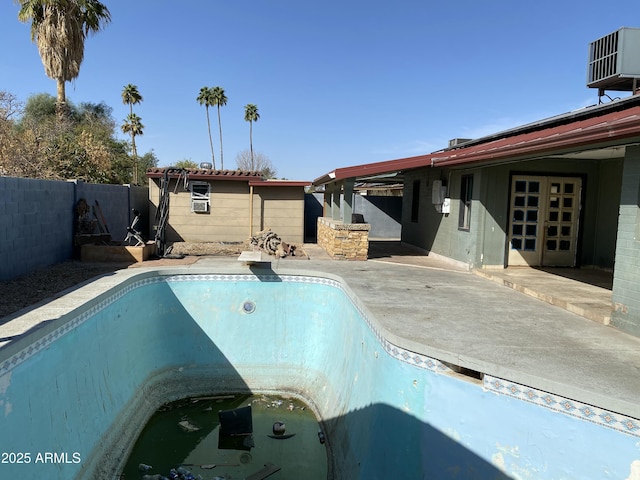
(626,278)
(36,220)
(115,204)
(383,214)
(36,224)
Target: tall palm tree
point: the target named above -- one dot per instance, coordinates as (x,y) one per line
(134,127)
(131,96)
(219,99)
(204,98)
(251,115)
(59,29)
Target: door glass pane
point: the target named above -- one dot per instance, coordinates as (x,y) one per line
(565,245)
(567,202)
(566,216)
(553,216)
(521,186)
(518,215)
(566,231)
(518,202)
(516,230)
(551,244)
(516,244)
(534,187)
(530,244)
(555,188)
(552,231)
(568,188)
(532,201)
(532,215)
(554,202)
(532,229)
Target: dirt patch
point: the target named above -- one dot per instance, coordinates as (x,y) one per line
(51,282)
(208,248)
(48,282)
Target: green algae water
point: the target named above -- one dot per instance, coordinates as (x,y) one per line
(183,440)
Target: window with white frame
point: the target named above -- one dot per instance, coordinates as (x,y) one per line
(200,196)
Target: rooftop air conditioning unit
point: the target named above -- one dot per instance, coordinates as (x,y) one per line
(456,142)
(200,206)
(614,61)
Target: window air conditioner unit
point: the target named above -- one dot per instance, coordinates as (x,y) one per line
(200,206)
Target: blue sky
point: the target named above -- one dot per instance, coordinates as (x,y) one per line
(337,83)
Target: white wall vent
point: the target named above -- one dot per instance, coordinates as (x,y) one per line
(614,61)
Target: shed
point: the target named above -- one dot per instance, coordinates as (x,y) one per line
(207,205)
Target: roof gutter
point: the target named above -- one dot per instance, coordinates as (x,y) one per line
(324,179)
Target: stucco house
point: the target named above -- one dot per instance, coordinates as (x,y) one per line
(563,191)
(208,205)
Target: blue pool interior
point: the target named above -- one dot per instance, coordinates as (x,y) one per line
(87,383)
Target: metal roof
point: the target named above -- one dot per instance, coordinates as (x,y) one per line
(610,124)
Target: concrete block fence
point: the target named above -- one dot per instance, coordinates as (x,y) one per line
(37,216)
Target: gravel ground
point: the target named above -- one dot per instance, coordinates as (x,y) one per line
(41,284)
(50,282)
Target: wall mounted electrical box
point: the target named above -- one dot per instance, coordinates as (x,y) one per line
(438,192)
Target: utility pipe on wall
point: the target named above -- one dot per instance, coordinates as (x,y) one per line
(250,211)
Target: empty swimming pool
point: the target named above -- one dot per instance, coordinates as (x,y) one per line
(75,393)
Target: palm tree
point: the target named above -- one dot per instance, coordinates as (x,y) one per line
(134,127)
(59,29)
(131,96)
(219,99)
(204,98)
(251,115)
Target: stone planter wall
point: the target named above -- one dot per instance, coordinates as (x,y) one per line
(343,241)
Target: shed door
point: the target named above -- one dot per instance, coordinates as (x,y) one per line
(543,227)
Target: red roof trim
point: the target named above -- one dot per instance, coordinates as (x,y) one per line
(204,174)
(278,183)
(614,127)
(253,178)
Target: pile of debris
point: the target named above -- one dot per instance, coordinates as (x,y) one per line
(85,226)
(270,242)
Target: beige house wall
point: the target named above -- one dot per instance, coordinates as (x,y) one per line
(278,208)
(282,210)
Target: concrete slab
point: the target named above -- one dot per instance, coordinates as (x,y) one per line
(251,257)
(584,292)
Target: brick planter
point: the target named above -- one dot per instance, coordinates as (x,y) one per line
(343,241)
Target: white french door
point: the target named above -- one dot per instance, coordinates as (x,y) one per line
(543,220)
